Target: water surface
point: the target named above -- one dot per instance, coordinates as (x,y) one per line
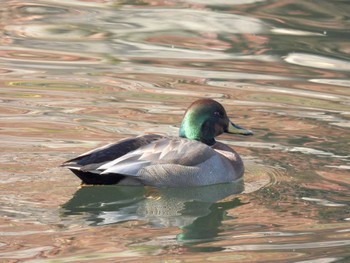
(79,74)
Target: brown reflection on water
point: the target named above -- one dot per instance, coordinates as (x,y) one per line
(78,75)
(40,56)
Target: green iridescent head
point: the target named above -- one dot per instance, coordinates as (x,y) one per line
(205,119)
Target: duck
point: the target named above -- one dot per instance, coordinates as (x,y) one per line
(194,158)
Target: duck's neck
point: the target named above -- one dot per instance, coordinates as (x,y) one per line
(193,128)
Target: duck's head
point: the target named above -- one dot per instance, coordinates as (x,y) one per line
(205,119)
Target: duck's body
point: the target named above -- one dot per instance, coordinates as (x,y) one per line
(193,159)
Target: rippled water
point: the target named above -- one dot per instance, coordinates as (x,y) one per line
(78,74)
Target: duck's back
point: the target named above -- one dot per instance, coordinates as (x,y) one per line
(86,165)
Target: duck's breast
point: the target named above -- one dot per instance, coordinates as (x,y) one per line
(214,170)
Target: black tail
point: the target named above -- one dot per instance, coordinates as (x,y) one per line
(97,179)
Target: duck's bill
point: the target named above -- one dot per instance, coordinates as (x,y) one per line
(235,129)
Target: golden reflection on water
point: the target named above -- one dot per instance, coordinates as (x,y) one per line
(76,75)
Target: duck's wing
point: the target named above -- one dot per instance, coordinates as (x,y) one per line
(166,151)
(85,166)
(112,151)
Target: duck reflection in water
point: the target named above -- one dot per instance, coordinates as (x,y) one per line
(198,211)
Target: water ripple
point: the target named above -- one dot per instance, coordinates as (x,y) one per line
(278,147)
(79,74)
(317,61)
(294,246)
